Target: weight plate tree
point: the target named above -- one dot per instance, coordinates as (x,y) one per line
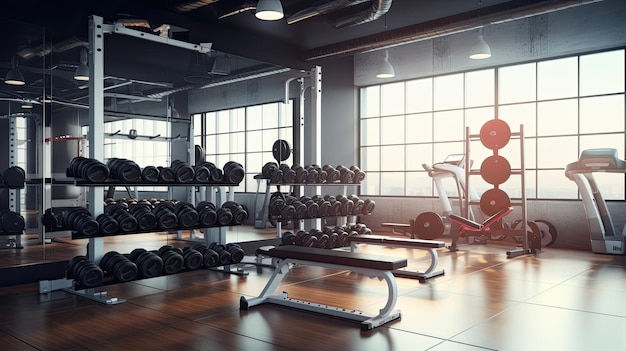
(495,134)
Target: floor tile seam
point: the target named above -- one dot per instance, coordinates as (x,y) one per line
(575,309)
(462,343)
(20,340)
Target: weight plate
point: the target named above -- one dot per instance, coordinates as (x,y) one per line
(429,226)
(495,134)
(495,170)
(548,232)
(281,150)
(494,200)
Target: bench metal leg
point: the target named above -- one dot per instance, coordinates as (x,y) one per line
(385,314)
(430,272)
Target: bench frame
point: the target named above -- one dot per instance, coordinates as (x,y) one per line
(283,266)
(428,245)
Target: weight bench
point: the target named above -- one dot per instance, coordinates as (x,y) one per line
(428,245)
(371,265)
(469,225)
(400,228)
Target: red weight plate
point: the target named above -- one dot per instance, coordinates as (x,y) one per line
(495,134)
(494,200)
(495,170)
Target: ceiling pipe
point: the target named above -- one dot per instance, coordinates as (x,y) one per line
(322,8)
(463,22)
(377,9)
(194,5)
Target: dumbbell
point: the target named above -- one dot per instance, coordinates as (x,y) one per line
(193,259)
(150,174)
(187,215)
(358,204)
(333,174)
(202,174)
(239,214)
(359,175)
(183,172)
(126,222)
(233,172)
(207,214)
(236,252)
(166,175)
(224,255)
(288,174)
(215,173)
(119,266)
(288,238)
(368,207)
(322,238)
(84,272)
(124,170)
(224,216)
(347,205)
(80,220)
(301,173)
(88,169)
(146,220)
(210,258)
(165,216)
(108,225)
(173,261)
(322,175)
(269,169)
(346,175)
(149,264)
(12,222)
(312,175)
(14,177)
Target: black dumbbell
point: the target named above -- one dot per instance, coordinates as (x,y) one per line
(187,215)
(12,222)
(236,252)
(14,177)
(150,174)
(332,174)
(165,216)
(359,175)
(239,214)
(193,259)
(288,174)
(224,255)
(149,264)
(124,170)
(216,175)
(183,172)
(146,220)
(119,266)
(207,214)
(209,256)
(173,261)
(288,238)
(233,172)
(88,169)
(202,173)
(85,273)
(126,222)
(269,169)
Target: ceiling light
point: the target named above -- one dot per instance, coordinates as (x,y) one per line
(385,70)
(14,76)
(27,105)
(480,49)
(82,72)
(269,10)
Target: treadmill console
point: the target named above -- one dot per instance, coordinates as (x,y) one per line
(599,159)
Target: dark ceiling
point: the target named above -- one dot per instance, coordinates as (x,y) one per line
(48,35)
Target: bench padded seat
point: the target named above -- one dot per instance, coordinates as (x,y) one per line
(353,259)
(381,239)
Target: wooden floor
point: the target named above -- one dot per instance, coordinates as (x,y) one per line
(558,300)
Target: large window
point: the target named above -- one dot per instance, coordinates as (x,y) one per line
(244,135)
(563,105)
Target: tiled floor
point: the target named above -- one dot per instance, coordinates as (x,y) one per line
(558,300)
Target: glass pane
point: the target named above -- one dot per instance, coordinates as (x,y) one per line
(197,124)
(419,128)
(223,121)
(238,142)
(254,162)
(391,130)
(238,120)
(270,115)
(516,83)
(442,150)
(223,143)
(254,141)
(370,159)
(370,101)
(602,73)
(209,120)
(392,158)
(552,184)
(419,95)
(286,115)
(448,92)
(557,117)
(371,184)
(269,138)
(602,114)
(211,144)
(522,114)
(611,185)
(370,131)
(418,154)
(392,99)
(418,184)
(254,117)
(615,141)
(449,126)
(392,183)
(557,78)
(476,117)
(556,152)
(480,88)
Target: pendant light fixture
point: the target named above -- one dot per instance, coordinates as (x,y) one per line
(480,50)
(82,72)
(269,10)
(385,70)
(14,76)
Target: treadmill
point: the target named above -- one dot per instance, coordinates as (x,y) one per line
(604,238)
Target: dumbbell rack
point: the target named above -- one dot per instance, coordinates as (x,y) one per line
(16,242)
(522,232)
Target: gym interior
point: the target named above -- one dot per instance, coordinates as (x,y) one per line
(200,175)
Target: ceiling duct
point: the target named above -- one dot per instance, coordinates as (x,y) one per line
(472,20)
(28,52)
(194,5)
(241,8)
(321,9)
(377,9)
